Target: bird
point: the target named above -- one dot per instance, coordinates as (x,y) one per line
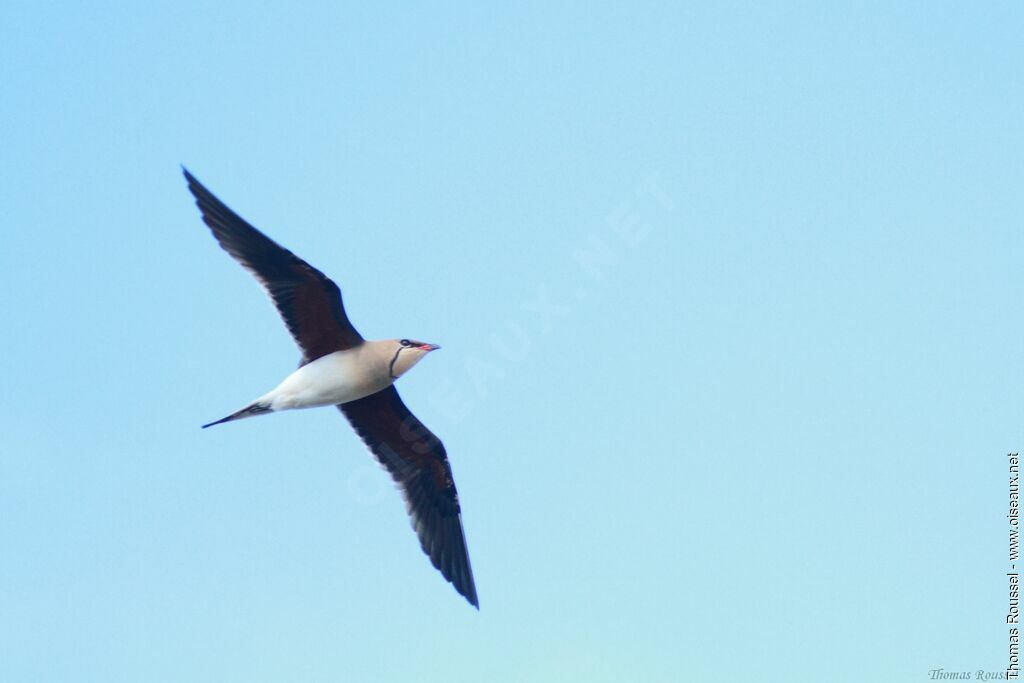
(340,368)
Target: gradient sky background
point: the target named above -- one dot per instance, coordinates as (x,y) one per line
(730,307)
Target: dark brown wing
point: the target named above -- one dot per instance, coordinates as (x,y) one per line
(306,298)
(417,461)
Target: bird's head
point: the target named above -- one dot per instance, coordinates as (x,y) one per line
(407,353)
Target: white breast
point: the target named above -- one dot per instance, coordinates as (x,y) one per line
(338,377)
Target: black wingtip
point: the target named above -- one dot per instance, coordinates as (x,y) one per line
(189,178)
(194,186)
(466,589)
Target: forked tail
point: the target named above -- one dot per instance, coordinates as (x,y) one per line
(250,410)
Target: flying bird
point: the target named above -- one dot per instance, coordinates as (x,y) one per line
(340,368)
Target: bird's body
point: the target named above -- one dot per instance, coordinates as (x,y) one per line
(340,368)
(340,377)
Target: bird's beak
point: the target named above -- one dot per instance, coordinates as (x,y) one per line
(430,347)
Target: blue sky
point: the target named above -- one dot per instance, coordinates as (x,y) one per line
(729,301)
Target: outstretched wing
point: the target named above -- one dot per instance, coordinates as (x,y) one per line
(417,461)
(308,300)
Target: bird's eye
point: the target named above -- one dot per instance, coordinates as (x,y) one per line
(404,342)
